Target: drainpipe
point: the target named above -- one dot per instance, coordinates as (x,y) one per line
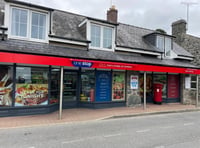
(61,92)
(197,92)
(145,74)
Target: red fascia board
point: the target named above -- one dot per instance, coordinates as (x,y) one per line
(33,59)
(60,61)
(139,67)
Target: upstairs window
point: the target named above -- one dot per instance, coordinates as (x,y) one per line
(160,42)
(101,36)
(19,22)
(38,26)
(95,35)
(28,24)
(168,46)
(164,44)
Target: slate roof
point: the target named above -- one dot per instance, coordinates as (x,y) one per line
(65,24)
(53,50)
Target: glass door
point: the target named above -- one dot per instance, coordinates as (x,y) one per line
(70,86)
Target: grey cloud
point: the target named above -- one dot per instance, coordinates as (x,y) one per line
(150,14)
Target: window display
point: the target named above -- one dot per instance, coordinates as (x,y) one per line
(103,86)
(173,86)
(31,86)
(149,88)
(6,83)
(55,85)
(118,86)
(70,86)
(161,79)
(87,85)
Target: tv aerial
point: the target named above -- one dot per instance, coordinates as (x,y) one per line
(188,4)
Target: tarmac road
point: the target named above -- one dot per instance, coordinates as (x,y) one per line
(179,130)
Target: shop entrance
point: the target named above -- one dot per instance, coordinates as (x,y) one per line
(70,80)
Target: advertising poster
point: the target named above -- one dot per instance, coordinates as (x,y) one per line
(31,94)
(173,86)
(5,90)
(134,82)
(187,82)
(118,86)
(103,86)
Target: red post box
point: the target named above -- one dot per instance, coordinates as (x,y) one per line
(158,93)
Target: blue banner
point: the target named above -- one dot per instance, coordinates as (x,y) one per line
(103,86)
(82,64)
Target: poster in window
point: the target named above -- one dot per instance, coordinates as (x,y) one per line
(187,82)
(103,86)
(118,86)
(173,86)
(31,94)
(134,82)
(5,89)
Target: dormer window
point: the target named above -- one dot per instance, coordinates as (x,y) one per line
(164,43)
(28,24)
(101,37)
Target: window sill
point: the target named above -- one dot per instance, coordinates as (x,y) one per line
(27,39)
(99,48)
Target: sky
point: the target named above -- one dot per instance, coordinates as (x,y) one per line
(151,14)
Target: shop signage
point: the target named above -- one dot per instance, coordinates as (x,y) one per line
(5,91)
(103,86)
(134,82)
(31,94)
(60,61)
(173,86)
(82,64)
(187,82)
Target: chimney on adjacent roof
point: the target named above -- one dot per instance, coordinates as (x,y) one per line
(179,26)
(112,14)
(179,29)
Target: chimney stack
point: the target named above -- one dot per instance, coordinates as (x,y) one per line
(179,29)
(112,14)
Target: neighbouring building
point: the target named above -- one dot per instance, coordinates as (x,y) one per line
(192,45)
(50,57)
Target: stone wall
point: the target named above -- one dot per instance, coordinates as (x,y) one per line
(188,95)
(133,95)
(192,45)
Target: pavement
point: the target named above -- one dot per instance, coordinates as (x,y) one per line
(84,115)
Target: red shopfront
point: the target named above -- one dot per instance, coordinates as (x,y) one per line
(109,78)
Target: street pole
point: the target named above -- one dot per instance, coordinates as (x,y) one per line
(145,74)
(61,92)
(197,92)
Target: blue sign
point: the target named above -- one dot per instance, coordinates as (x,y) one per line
(82,64)
(103,86)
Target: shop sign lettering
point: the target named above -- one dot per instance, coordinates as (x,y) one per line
(134,82)
(82,64)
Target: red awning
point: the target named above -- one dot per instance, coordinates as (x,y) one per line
(59,61)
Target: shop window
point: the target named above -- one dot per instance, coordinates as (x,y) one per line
(118,86)
(161,79)
(6,83)
(28,24)
(55,85)
(87,85)
(31,86)
(70,86)
(193,81)
(149,87)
